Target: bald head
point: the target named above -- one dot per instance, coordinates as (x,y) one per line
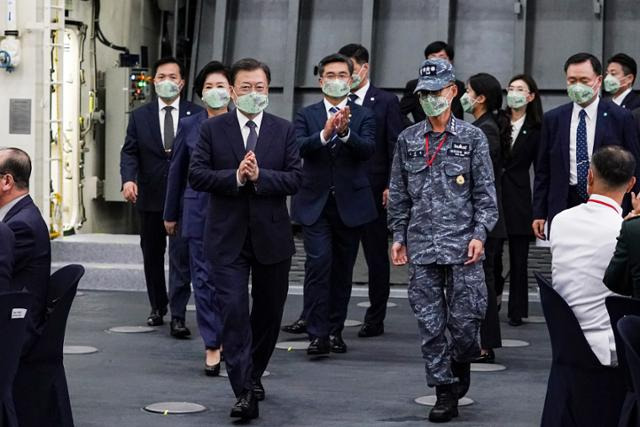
(16,162)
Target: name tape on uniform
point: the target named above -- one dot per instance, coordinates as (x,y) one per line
(412,154)
(18,313)
(459,150)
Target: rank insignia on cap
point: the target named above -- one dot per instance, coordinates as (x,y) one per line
(428,71)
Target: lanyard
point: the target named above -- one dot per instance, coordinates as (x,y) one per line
(605,204)
(426,144)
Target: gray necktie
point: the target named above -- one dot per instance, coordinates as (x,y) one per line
(253,136)
(168,128)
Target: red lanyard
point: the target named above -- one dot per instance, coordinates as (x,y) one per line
(426,144)
(605,204)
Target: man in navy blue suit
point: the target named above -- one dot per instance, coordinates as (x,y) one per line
(144,166)
(32,249)
(570,134)
(336,138)
(249,162)
(621,75)
(375,236)
(7,246)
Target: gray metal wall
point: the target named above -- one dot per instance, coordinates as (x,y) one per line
(501,37)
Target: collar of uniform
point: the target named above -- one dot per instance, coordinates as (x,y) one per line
(591,109)
(243,120)
(452,126)
(605,202)
(175,104)
(328,105)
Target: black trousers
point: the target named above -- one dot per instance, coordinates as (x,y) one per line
(519,281)
(153,241)
(249,338)
(331,249)
(375,243)
(490,327)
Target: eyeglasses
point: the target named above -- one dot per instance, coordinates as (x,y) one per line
(425,93)
(517,89)
(246,88)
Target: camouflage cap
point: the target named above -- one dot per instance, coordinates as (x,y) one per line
(435,74)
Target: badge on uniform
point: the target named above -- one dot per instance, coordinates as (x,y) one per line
(459,149)
(413,154)
(460,180)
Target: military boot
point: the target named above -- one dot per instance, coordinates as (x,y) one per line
(462,370)
(446,405)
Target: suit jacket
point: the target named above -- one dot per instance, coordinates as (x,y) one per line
(488,125)
(623,273)
(409,104)
(341,169)
(32,265)
(386,108)
(143,158)
(516,181)
(614,126)
(631,101)
(7,247)
(260,210)
(180,195)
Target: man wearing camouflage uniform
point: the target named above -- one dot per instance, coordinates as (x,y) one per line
(442,202)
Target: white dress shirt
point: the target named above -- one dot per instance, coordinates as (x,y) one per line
(327,107)
(516,127)
(583,240)
(591,117)
(175,114)
(6,208)
(244,129)
(618,99)
(361,93)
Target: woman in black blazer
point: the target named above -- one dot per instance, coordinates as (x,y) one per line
(483,99)
(525,111)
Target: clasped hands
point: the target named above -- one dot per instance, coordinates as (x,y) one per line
(338,123)
(248,169)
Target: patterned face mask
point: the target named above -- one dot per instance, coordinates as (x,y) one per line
(335,88)
(580,93)
(611,83)
(252,103)
(167,89)
(216,97)
(516,99)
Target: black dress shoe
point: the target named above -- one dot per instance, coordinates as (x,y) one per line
(446,406)
(297,327)
(212,370)
(155,318)
(488,357)
(246,407)
(337,343)
(319,347)
(516,321)
(258,390)
(178,329)
(462,370)
(371,330)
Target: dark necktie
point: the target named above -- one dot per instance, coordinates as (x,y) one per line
(332,141)
(582,155)
(252,140)
(168,128)
(353,98)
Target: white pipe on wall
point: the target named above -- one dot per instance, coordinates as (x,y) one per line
(12,18)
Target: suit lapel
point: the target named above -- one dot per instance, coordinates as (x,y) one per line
(369,97)
(320,115)
(265,137)
(153,113)
(184,111)
(601,116)
(235,135)
(564,129)
(17,208)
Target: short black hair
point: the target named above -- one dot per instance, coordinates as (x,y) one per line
(167,60)
(436,47)
(627,63)
(355,51)
(614,165)
(212,67)
(249,64)
(581,57)
(330,59)
(18,164)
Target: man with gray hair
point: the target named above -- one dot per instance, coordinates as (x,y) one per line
(583,240)
(32,250)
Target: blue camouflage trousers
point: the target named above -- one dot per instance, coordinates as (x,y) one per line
(449,302)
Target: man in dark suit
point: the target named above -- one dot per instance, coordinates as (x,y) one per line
(623,273)
(409,104)
(144,166)
(249,162)
(336,138)
(375,236)
(7,246)
(32,249)
(621,74)
(570,134)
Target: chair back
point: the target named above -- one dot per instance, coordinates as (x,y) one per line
(63,285)
(568,343)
